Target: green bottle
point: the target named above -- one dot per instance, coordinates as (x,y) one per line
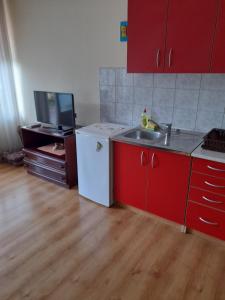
(144,119)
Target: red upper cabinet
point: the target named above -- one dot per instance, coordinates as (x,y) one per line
(146,35)
(218,56)
(173,36)
(190,31)
(168,185)
(130,174)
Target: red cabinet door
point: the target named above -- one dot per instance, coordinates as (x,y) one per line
(168,185)
(146,35)
(218,57)
(190,31)
(130,174)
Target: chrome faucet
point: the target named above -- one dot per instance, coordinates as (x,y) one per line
(167,127)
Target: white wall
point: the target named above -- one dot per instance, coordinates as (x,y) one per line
(60,45)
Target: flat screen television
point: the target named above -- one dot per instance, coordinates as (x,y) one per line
(56,109)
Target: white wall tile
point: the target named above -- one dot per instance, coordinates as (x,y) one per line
(107,94)
(143,96)
(123,78)
(107,112)
(124,113)
(213,82)
(184,118)
(107,76)
(165,80)
(186,98)
(143,80)
(162,114)
(188,81)
(124,94)
(163,97)
(212,100)
(207,120)
(223,122)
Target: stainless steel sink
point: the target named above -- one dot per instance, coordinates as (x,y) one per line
(139,134)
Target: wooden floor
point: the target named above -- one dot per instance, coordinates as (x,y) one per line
(56,245)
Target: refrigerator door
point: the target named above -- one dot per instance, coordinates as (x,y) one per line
(93,168)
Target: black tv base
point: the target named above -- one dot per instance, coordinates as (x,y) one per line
(60,130)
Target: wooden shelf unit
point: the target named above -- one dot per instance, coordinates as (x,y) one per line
(61,170)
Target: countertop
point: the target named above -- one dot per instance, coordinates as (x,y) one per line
(208,154)
(180,141)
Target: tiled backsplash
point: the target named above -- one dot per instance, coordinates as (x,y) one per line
(189,101)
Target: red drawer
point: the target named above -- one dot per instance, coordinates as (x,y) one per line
(206,220)
(209,183)
(207,198)
(208,167)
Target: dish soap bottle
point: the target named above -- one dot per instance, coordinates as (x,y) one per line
(144,119)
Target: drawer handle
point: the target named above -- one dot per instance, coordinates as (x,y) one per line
(142,158)
(215,169)
(157,58)
(208,222)
(213,185)
(211,201)
(170,57)
(153,161)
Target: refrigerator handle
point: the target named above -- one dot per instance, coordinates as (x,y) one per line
(98,146)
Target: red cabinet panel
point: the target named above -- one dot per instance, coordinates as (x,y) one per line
(207,198)
(209,183)
(209,167)
(130,174)
(190,31)
(206,220)
(168,186)
(218,57)
(146,35)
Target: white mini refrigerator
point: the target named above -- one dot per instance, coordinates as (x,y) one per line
(94,156)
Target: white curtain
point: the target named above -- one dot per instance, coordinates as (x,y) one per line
(9,116)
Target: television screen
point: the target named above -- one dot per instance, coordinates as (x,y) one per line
(55,108)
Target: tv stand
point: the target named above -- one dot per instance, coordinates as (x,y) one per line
(60,169)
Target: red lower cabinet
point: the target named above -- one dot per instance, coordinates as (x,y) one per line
(206,199)
(206,220)
(130,174)
(168,185)
(154,181)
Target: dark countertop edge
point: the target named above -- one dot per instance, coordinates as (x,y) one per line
(158,147)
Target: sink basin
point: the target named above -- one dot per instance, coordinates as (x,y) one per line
(138,134)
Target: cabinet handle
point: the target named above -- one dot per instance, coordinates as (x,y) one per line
(208,222)
(153,160)
(215,169)
(211,201)
(215,186)
(157,58)
(170,57)
(142,158)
